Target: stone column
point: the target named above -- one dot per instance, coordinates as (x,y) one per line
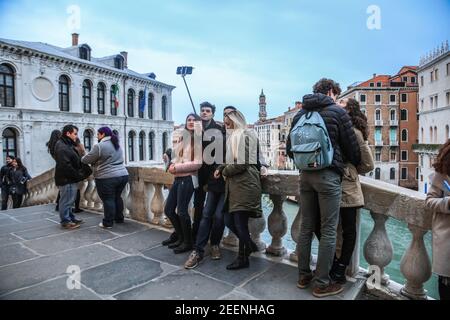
(378,247)
(415,265)
(277,224)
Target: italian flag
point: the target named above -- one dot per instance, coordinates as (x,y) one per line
(115,92)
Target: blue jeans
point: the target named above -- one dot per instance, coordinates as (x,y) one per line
(320,199)
(110,191)
(68,194)
(177,202)
(212,221)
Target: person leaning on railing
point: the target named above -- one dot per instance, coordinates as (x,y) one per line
(438,200)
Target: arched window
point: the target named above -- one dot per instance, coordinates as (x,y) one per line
(151,143)
(404,135)
(131,136)
(7,98)
(114,99)
(130,102)
(141,104)
(64,93)
(392,174)
(378,114)
(150,105)
(164,108)
(422,138)
(377,173)
(393,115)
(447,132)
(164,142)
(141,145)
(85,52)
(87,139)
(9,143)
(101,98)
(404,115)
(431,134)
(435,135)
(87,96)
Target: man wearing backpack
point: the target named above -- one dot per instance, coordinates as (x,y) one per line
(320,178)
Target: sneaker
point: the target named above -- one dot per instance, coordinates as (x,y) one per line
(193,260)
(77,221)
(305,281)
(69,225)
(215,253)
(330,290)
(102,226)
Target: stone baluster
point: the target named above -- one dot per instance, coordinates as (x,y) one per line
(82,186)
(378,247)
(230,239)
(277,224)
(415,265)
(295,233)
(89,193)
(125,196)
(54,192)
(157,204)
(256,226)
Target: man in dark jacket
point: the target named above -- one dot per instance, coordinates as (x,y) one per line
(206,172)
(320,191)
(68,172)
(4,181)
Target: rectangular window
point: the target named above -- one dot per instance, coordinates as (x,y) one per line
(371,84)
(393,134)
(404,173)
(413,79)
(377,156)
(379,84)
(417,173)
(404,97)
(404,155)
(447,98)
(392,98)
(378,99)
(448,69)
(431,102)
(362,99)
(405,79)
(392,174)
(421,104)
(421,80)
(432,76)
(393,157)
(436,74)
(378,137)
(436,101)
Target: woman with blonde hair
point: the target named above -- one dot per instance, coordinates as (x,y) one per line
(242,184)
(186,161)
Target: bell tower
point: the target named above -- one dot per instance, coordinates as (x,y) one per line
(262,106)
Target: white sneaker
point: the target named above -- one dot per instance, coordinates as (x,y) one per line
(102,226)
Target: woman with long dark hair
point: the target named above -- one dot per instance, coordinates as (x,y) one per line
(242,184)
(110,173)
(17,177)
(186,160)
(438,200)
(352,197)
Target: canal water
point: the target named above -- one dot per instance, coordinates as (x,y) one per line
(397,231)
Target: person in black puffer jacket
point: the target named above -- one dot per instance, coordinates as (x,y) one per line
(17,180)
(320,191)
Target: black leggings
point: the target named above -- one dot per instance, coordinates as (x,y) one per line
(17,200)
(237,222)
(444,289)
(348,223)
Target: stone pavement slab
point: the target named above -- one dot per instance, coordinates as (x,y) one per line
(14,253)
(139,241)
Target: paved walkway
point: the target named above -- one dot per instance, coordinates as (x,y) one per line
(126,262)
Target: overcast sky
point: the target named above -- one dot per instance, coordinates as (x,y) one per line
(240,47)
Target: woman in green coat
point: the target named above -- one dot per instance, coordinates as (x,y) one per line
(242,184)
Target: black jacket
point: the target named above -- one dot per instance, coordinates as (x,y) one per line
(206,172)
(17,180)
(68,163)
(339,126)
(4,176)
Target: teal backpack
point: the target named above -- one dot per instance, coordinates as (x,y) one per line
(311,144)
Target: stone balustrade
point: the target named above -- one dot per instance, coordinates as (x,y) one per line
(144,201)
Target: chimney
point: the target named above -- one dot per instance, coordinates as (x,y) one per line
(75,39)
(374,75)
(125,56)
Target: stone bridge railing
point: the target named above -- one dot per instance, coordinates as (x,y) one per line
(144,201)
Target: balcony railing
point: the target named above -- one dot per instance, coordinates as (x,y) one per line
(144,201)
(393,143)
(393,123)
(378,143)
(378,123)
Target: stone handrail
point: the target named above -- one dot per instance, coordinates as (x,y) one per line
(144,201)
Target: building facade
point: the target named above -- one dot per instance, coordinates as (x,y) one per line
(390,104)
(434,110)
(44,87)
